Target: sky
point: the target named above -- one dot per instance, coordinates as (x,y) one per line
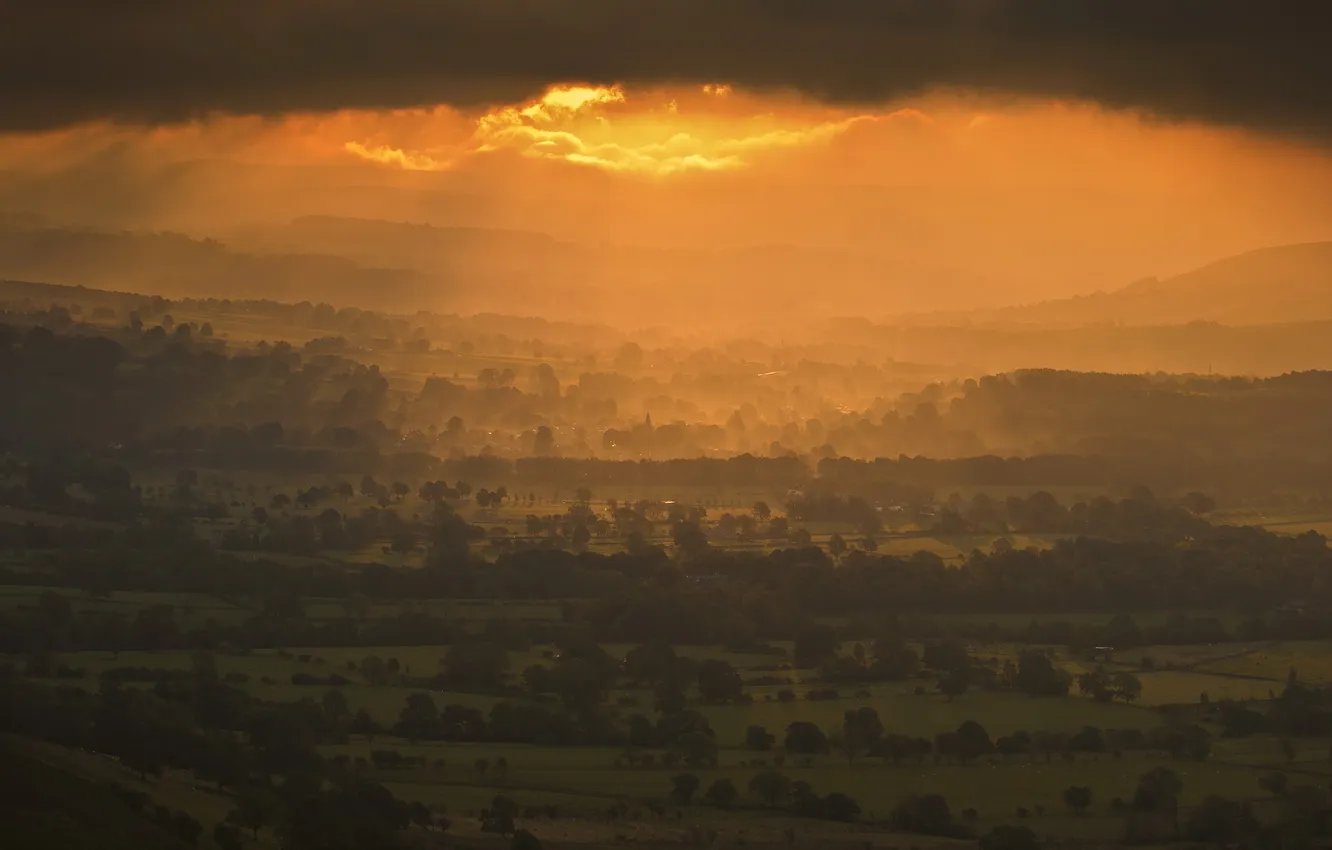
(1042,147)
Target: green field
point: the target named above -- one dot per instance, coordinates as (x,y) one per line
(1182,675)
(190,609)
(903,712)
(197,608)
(583,781)
(1312,660)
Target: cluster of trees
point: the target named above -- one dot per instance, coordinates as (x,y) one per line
(645,595)
(265,754)
(1140,515)
(862,734)
(1107,687)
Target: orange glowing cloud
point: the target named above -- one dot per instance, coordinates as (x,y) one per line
(653,134)
(395,156)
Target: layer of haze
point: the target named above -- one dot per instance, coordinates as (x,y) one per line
(949,202)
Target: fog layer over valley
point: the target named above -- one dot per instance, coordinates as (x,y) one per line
(465,425)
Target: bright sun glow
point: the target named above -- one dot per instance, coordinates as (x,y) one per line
(604,127)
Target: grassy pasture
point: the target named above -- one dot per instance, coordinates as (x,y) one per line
(1171,687)
(1312,660)
(190,608)
(903,712)
(460,609)
(198,608)
(383,702)
(1012,621)
(582,781)
(1292,520)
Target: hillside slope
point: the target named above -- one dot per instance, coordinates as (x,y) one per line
(50,809)
(176,265)
(1285,283)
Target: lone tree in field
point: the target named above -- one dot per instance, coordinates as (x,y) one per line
(770,786)
(954,684)
(721,794)
(836,546)
(683,787)
(861,731)
(718,682)
(1126,686)
(838,806)
(1155,805)
(804,738)
(759,738)
(1078,798)
(1038,677)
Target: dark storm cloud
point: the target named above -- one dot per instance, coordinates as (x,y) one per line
(1264,64)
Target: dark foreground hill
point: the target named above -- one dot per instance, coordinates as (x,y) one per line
(45,808)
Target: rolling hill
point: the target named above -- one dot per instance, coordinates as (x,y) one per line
(1287,283)
(51,809)
(176,265)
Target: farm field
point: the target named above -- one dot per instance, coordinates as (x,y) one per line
(971,622)
(581,782)
(585,781)
(1311,660)
(190,609)
(903,712)
(1281,520)
(1180,677)
(267,674)
(198,608)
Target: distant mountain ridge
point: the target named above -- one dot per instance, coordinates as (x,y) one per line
(175,265)
(1283,283)
(615,281)
(404,267)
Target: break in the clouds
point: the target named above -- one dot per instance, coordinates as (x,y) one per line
(655,134)
(1262,65)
